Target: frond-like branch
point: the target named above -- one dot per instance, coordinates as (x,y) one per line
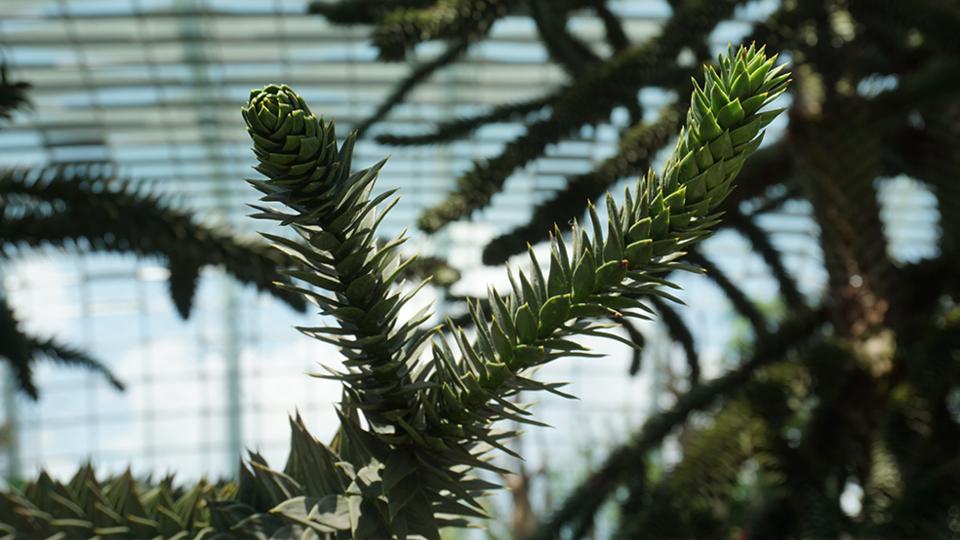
(13,95)
(462,127)
(565,48)
(638,146)
(587,101)
(766,169)
(467,20)
(584,502)
(414,428)
(21,350)
(83,208)
(761,243)
(430,423)
(66,355)
(421,73)
(741,302)
(678,332)
(349,12)
(15,348)
(683,502)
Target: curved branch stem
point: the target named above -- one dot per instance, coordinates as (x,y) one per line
(587,499)
(462,127)
(421,73)
(737,297)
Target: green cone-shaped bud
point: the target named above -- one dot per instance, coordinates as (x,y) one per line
(297,151)
(724,126)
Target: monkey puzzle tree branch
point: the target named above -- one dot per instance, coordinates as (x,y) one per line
(461,127)
(13,95)
(565,48)
(588,100)
(741,303)
(468,20)
(61,206)
(768,167)
(612,25)
(604,274)
(637,149)
(670,77)
(421,73)
(760,240)
(15,348)
(349,12)
(680,333)
(430,423)
(587,499)
(21,350)
(676,503)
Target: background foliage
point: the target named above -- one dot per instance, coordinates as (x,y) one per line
(87,208)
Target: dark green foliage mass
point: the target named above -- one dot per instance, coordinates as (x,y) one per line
(125,507)
(13,95)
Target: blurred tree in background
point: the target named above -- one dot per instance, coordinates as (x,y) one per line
(859,386)
(86,208)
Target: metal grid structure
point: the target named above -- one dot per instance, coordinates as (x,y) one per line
(155,86)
